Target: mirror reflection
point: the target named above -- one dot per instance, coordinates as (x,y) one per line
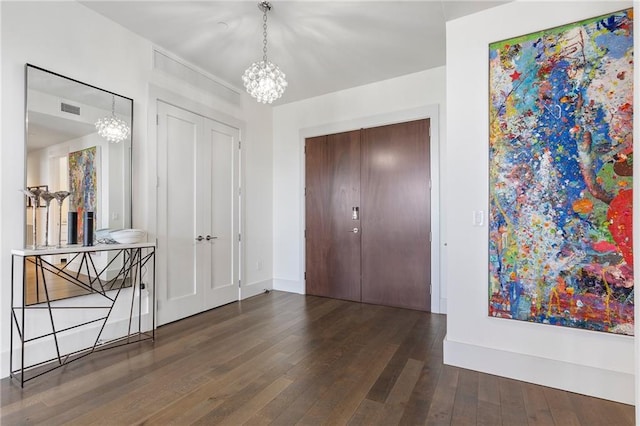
(78,141)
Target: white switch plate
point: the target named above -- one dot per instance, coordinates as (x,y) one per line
(478,218)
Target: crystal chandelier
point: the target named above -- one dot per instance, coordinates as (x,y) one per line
(264,80)
(111,127)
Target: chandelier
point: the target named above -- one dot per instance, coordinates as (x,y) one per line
(264,80)
(111,127)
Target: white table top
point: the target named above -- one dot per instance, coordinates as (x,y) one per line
(78,248)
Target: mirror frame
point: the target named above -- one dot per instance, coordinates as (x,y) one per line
(128,186)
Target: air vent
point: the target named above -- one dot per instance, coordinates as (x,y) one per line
(70,108)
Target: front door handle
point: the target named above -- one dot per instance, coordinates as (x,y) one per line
(199,238)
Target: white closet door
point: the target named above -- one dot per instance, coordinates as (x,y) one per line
(197,211)
(222,224)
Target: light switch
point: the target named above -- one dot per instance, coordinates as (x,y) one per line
(478,218)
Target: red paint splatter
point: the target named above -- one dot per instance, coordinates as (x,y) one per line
(626,107)
(621,223)
(604,246)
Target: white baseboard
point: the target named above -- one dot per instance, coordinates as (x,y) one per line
(289,286)
(253,289)
(597,382)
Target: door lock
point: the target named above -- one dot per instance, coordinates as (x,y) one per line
(355,213)
(355,230)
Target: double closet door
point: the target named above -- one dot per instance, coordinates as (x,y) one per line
(367,215)
(198,202)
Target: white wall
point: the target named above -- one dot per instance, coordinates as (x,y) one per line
(400,99)
(70,39)
(257,190)
(591,363)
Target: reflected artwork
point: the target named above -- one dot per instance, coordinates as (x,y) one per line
(83,183)
(560,170)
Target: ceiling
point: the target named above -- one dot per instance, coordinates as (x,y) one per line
(322,46)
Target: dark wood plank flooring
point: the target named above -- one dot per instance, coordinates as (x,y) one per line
(288,359)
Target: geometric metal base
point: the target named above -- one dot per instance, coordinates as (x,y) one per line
(132,261)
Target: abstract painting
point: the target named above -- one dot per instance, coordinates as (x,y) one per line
(83,184)
(560,172)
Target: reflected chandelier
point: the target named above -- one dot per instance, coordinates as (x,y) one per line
(111,127)
(264,80)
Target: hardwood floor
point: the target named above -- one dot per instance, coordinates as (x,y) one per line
(288,359)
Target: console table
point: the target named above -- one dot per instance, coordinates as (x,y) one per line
(129,270)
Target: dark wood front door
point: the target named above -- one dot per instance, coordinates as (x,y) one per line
(332,188)
(396,220)
(379,253)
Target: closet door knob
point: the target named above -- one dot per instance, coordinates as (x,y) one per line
(209,238)
(199,238)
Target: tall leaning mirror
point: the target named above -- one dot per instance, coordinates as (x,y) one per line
(66,150)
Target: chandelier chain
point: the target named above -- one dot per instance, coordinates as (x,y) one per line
(264,34)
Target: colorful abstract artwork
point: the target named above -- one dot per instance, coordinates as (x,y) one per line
(83,184)
(560,170)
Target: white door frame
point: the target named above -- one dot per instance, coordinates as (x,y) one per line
(156,94)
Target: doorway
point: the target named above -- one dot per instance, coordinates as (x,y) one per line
(367,214)
(198,205)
